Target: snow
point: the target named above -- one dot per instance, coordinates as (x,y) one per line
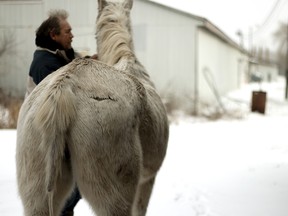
(228,167)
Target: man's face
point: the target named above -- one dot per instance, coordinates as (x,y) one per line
(65,36)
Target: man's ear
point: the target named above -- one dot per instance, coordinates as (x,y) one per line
(52,34)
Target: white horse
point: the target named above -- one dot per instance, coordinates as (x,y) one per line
(99,124)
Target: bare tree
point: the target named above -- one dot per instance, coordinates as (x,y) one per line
(7,42)
(280,36)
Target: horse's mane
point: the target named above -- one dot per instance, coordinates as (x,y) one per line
(114,40)
(114,35)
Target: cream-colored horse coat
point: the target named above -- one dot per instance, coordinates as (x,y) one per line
(95,125)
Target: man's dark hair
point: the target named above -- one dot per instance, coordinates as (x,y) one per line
(52,23)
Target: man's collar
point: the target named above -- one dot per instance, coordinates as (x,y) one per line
(58,52)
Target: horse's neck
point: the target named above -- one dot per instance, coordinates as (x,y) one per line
(115,48)
(115,45)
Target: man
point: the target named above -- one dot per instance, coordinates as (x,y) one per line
(54,50)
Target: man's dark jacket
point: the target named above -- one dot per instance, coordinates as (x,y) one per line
(48,58)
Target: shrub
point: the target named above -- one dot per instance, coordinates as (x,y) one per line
(9,110)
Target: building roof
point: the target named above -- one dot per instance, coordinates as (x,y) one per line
(205,23)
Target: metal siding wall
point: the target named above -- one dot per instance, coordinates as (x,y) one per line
(81,13)
(19,20)
(20,15)
(222,62)
(169,50)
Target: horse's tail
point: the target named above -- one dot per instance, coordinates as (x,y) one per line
(56,112)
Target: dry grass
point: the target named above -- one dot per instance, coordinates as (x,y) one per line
(10,106)
(9,110)
(211,112)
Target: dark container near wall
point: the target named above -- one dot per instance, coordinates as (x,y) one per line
(258,101)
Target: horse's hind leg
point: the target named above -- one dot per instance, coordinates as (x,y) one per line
(108,181)
(143,197)
(110,194)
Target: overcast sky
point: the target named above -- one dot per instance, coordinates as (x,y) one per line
(233,15)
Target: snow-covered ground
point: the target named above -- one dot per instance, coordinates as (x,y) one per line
(227,167)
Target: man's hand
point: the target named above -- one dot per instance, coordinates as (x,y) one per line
(95,57)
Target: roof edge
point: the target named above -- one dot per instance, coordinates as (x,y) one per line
(205,23)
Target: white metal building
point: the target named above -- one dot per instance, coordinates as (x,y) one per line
(185,54)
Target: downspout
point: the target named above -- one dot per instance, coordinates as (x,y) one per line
(196,78)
